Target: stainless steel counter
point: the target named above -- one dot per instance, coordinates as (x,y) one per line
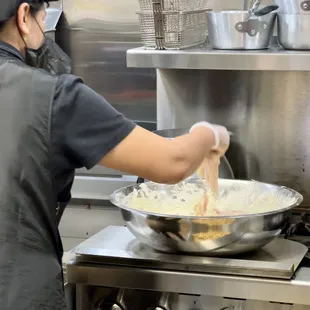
(295,291)
(274,59)
(99,188)
(116,245)
(110,259)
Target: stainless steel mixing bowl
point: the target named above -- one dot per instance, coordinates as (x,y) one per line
(210,236)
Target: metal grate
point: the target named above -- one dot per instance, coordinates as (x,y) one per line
(175,5)
(173,24)
(173,30)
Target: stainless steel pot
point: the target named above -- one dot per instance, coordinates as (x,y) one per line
(235,30)
(211,236)
(294,6)
(293,31)
(225,171)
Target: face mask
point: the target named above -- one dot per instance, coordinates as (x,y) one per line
(49,57)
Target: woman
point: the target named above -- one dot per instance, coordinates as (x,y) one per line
(51,124)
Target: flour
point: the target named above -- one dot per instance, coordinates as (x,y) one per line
(209,172)
(234,198)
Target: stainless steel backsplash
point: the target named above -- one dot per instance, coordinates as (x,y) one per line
(233,4)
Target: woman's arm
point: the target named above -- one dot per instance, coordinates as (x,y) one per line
(86,131)
(158,159)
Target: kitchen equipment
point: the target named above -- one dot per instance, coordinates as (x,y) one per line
(235,30)
(174,5)
(294,6)
(114,301)
(51,20)
(273,276)
(117,245)
(293,31)
(225,171)
(163,303)
(172,24)
(222,235)
(172,30)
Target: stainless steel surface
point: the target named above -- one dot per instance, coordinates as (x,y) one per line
(274,59)
(117,246)
(98,188)
(52,19)
(225,171)
(240,30)
(294,6)
(234,4)
(294,291)
(293,31)
(69,288)
(267,111)
(82,222)
(212,236)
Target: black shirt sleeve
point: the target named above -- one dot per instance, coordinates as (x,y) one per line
(84,127)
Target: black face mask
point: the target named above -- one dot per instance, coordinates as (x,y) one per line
(49,57)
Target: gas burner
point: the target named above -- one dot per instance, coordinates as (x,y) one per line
(298,229)
(298,226)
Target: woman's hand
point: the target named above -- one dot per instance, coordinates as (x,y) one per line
(221,137)
(161,160)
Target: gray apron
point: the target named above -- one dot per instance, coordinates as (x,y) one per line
(30,245)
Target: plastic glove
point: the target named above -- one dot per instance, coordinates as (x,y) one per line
(221,136)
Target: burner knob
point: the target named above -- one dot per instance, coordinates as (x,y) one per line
(163,303)
(116,307)
(109,306)
(114,301)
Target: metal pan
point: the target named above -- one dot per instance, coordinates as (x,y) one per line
(293,31)
(229,235)
(238,30)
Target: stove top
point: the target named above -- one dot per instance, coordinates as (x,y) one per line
(117,246)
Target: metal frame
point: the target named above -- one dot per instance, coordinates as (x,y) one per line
(205,58)
(295,291)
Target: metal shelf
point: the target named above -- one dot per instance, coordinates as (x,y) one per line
(202,58)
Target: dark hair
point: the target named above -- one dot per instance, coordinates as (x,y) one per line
(35,7)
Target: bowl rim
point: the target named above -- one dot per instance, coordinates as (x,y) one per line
(299,200)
